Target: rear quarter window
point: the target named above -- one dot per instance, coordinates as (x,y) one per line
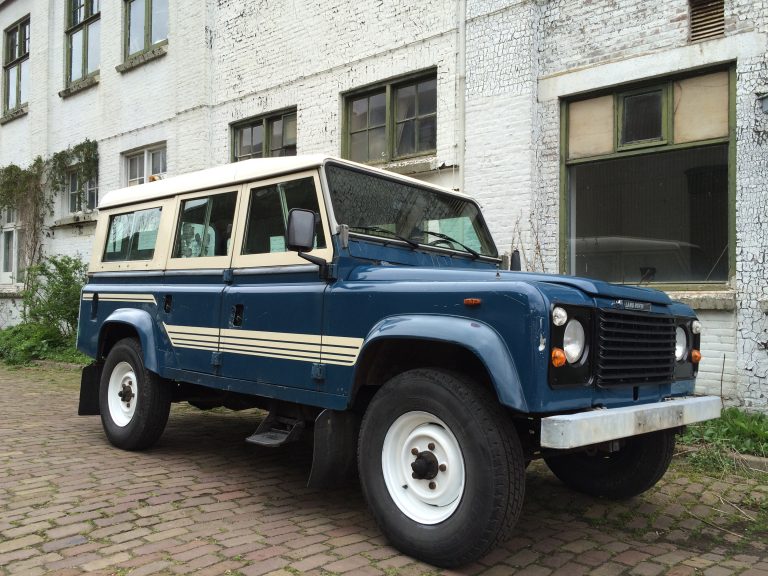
(132,235)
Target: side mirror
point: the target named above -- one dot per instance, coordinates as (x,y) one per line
(300,236)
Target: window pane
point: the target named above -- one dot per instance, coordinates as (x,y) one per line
(406,138)
(94,46)
(268,215)
(701,107)
(10,87)
(276,138)
(144,234)
(377,144)
(76,55)
(358,147)
(12,45)
(205,226)
(427,136)
(136,26)
(377,105)
(289,130)
(358,114)
(642,117)
(243,142)
(427,97)
(74,193)
(77,13)
(95,6)
(159,20)
(8,251)
(658,217)
(157,161)
(25,38)
(406,102)
(93,190)
(24,82)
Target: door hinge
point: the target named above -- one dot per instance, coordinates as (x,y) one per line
(216,359)
(229,276)
(318,371)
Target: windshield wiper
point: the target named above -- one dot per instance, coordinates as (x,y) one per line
(385,231)
(475,253)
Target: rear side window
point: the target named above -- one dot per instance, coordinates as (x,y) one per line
(268,215)
(205,226)
(132,236)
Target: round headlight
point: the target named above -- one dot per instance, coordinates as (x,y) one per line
(573,341)
(681,343)
(559,316)
(696,327)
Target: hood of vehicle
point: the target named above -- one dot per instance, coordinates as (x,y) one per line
(395,273)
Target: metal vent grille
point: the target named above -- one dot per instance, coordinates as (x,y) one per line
(707,19)
(635,349)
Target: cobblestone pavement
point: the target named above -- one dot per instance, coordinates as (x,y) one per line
(204,502)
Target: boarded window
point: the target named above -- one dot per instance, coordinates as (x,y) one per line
(701,107)
(590,127)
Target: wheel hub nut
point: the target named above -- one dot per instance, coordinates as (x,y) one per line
(432,485)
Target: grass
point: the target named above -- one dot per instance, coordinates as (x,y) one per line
(734,431)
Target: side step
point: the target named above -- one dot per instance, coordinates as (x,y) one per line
(275,431)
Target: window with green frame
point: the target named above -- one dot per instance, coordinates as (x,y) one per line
(16,66)
(265,136)
(83,38)
(647,193)
(392,121)
(146,24)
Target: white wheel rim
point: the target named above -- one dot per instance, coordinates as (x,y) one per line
(122,394)
(425,500)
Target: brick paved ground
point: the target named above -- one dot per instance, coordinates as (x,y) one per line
(204,502)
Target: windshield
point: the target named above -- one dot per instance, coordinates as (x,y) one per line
(377,206)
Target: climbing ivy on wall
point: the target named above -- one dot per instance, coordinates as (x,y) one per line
(30,191)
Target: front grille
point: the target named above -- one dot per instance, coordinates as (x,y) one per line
(634,348)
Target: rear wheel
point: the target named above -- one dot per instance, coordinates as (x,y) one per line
(441,467)
(636,467)
(133,401)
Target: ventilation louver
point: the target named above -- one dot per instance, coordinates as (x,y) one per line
(707,19)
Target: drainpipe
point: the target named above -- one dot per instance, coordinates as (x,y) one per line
(461,89)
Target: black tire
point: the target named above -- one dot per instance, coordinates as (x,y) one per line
(484,510)
(635,468)
(137,423)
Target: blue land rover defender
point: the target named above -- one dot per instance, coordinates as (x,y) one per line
(369,310)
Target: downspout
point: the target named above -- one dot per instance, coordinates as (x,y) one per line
(461,89)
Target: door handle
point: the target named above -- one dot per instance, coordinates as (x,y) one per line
(237,315)
(167,303)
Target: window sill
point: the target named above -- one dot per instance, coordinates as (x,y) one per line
(79,86)
(10,291)
(18,113)
(157,51)
(707,299)
(411,165)
(76,219)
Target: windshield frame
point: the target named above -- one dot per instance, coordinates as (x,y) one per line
(418,185)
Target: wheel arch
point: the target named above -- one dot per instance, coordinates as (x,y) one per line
(130,323)
(464,345)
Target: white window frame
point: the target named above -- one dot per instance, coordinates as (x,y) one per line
(9,229)
(76,195)
(144,158)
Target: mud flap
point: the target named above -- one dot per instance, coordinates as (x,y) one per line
(89,390)
(334,457)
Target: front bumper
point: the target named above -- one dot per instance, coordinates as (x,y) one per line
(574,430)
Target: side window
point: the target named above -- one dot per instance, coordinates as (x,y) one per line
(205,226)
(132,236)
(268,215)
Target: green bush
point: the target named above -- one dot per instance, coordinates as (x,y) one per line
(25,342)
(52,293)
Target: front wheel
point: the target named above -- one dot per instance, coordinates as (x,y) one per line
(134,402)
(637,466)
(441,467)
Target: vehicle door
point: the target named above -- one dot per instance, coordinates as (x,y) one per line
(272,311)
(190,304)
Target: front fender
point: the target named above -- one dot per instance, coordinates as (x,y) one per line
(144,325)
(477,337)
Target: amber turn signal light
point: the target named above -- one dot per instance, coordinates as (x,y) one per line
(558,357)
(695,356)
(472,302)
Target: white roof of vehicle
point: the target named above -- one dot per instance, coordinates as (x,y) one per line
(237,172)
